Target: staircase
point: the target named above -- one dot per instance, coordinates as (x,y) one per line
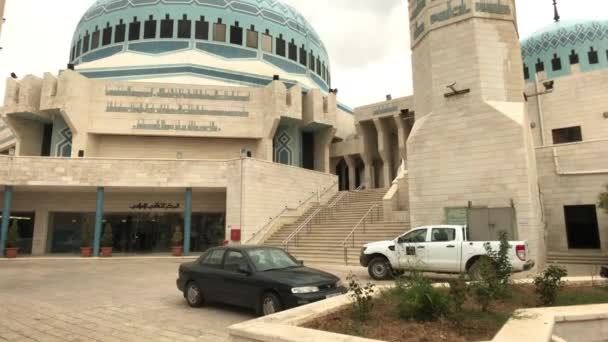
(322,240)
(577,258)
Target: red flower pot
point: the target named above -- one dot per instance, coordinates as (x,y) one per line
(176,251)
(11,253)
(86,252)
(106,252)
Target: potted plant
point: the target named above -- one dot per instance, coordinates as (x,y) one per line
(177,242)
(12,241)
(86,249)
(107,241)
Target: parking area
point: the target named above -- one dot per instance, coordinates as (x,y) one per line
(130,299)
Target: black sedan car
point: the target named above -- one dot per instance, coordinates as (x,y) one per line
(266,279)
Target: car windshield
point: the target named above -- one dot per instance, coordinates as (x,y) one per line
(266,259)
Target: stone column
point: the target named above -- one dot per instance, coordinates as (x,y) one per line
(98,221)
(384,149)
(323,140)
(41,232)
(352,172)
(368,172)
(6,217)
(402,133)
(187,221)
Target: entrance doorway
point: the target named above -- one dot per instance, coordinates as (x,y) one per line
(582,227)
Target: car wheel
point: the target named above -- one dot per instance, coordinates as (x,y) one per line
(475,271)
(379,269)
(269,304)
(194,295)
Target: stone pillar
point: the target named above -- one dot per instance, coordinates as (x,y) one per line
(384,149)
(6,217)
(188,221)
(98,221)
(368,172)
(352,172)
(41,232)
(402,134)
(323,140)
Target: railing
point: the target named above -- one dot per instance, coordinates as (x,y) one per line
(361,222)
(306,224)
(274,220)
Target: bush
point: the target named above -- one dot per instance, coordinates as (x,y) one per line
(604,200)
(420,301)
(86,235)
(495,274)
(549,283)
(12,240)
(107,239)
(459,292)
(361,297)
(178,237)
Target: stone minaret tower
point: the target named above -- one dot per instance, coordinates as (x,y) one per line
(471,141)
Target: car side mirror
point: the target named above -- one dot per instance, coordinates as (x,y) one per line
(244,269)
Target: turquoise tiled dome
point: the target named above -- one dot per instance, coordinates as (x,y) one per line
(97,34)
(556,47)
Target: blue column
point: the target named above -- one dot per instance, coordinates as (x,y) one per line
(6,217)
(98,222)
(187,221)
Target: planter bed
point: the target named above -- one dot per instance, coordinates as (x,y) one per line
(470,324)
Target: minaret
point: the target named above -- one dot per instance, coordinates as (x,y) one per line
(472,141)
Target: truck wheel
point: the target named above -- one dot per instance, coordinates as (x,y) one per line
(379,269)
(475,271)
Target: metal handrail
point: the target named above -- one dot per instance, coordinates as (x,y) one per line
(306,201)
(303,225)
(352,232)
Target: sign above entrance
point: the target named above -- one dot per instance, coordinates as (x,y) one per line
(155,206)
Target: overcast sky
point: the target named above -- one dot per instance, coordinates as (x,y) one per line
(368,40)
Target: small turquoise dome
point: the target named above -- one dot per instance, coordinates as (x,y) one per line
(556,47)
(268,31)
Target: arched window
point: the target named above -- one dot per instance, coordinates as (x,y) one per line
(166,27)
(219,31)
(252,38)
(323,75)
(95,39)
(540,66)
(267,42)
(85,42)
(318,66)
(78,45)
(134,29)
(293,51)
(303,56)
(201,29)
(526,72)
(574,58)
(184,28)
(119,33)
(72,52)
(556,63)
(236,34)
(312,61)
(593,56)
(150,28)
(107,35)
(281,46)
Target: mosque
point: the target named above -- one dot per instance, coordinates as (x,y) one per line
(218,116)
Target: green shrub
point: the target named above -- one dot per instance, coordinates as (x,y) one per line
(361,297)
(12,239)
(86,235)
(502,262)
(548,284)
(177,237)
(107,239)
(495,274)
(420,301)
(459,292)
(604,200)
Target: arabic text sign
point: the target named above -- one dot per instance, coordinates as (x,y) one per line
(155,206)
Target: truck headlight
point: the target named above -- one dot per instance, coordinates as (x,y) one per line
(305,289)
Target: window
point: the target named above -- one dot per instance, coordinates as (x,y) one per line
(166,27)
(219,31)
(73,53)
(252,38)
(214,258)
(184,28)
(323,71)
(416,236)
(312,61)
(443,234)
(293,51)
(540,66)
(593,56)
(236,34)
(281,46)
(119,33)
(526,72)
(150,28)
(303,56)
(318,71)
(267,42)
(201,29)
(134,29)
(556,63)
(95,39)
(235,261)
(574,58)
(85,43)
(270,259)
(106,38)
(567,135)
(78,47)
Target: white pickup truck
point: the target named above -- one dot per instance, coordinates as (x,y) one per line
(436,249)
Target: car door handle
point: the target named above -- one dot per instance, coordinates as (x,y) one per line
(451,246)
(420,247)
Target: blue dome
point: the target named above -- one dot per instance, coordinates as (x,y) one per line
(556,47)
(266,30)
